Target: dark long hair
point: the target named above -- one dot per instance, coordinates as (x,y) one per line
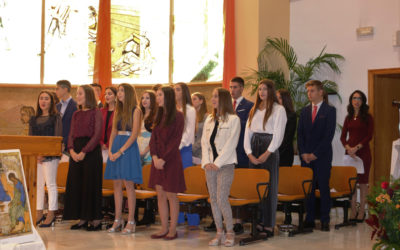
(287,102)
(271,99)
(186,98)
(90,98)
(168,110)
(153,107)
(52,109)
(114,90)
(224,104)
(364,108)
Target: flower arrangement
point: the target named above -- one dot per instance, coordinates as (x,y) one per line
(384,210)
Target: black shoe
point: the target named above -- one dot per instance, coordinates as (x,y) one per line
(40,220)
(77,226)
(50,224)
(360,220)
(325,226)
(211,227)
(94,228)
(309,224)
(238,228)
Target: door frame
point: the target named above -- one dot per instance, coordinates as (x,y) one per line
(372,73)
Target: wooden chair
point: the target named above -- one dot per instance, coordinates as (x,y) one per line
(194,199)
(145,197)
(62,174)
(249,189)
(343,184)
(108,185)
(293,189)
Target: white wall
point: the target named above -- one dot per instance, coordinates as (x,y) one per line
(316,23)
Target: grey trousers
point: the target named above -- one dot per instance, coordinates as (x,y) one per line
(259,144)
(219,187)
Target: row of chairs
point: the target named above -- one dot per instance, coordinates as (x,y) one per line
(249,187)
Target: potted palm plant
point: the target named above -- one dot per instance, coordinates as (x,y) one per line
(298,75)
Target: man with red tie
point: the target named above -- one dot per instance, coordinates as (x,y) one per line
(314,139)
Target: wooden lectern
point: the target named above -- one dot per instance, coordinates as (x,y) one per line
(31,147)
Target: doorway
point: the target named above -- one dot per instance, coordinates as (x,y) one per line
(383,88)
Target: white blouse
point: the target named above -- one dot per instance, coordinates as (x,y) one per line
(190,127)
(275,125)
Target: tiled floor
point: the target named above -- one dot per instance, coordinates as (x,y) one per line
(60,237)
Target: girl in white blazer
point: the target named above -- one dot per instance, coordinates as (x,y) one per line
(220,137)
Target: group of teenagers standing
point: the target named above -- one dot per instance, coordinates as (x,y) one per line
(171,129)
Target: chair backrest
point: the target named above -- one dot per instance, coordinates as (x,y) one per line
(107,184)
(340,178)
(244,185)
(146,177)
(195,179)
(291,180)
(62,173)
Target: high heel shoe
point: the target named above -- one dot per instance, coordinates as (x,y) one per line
(40,220)
(92,227)
(129,231)
(158,236)
(52,222)
(118,228)
(171,237)
(79,226)
(217,240)
(361,220)
(229,241)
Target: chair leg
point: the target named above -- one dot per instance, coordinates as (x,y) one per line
(346,222)
(288,214)
(300,228)
(254,235)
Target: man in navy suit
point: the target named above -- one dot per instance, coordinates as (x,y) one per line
(66,107)
(242,106)
(314,138)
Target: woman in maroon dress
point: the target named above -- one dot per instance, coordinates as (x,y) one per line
(357,132)
(166,174)
(84,181)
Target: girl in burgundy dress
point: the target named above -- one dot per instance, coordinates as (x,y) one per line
(84,181)
(166,174)
(357,132)
(108,114)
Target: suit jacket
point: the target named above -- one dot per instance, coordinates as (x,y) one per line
(243,110)
(317,137)
(104,112)
(225,141)
(66,119)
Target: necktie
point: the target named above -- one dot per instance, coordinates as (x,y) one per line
(234,105)
(314,113)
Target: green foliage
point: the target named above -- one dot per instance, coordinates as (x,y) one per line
(384,210)
(299,74)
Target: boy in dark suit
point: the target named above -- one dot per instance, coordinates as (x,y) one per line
(242,106)
(314,138)
(66,107)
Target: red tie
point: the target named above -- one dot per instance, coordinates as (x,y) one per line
(234,105)
(314,113)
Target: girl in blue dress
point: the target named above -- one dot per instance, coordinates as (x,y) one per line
(123,165)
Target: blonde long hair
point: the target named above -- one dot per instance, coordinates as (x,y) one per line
(123,111)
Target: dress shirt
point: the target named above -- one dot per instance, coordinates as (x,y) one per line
(275,125)
(190,127)
(318,106)
(64,105)
(237,101)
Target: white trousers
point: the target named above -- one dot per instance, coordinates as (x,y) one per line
(47,175)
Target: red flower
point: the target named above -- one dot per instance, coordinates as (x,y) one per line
(384,185)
